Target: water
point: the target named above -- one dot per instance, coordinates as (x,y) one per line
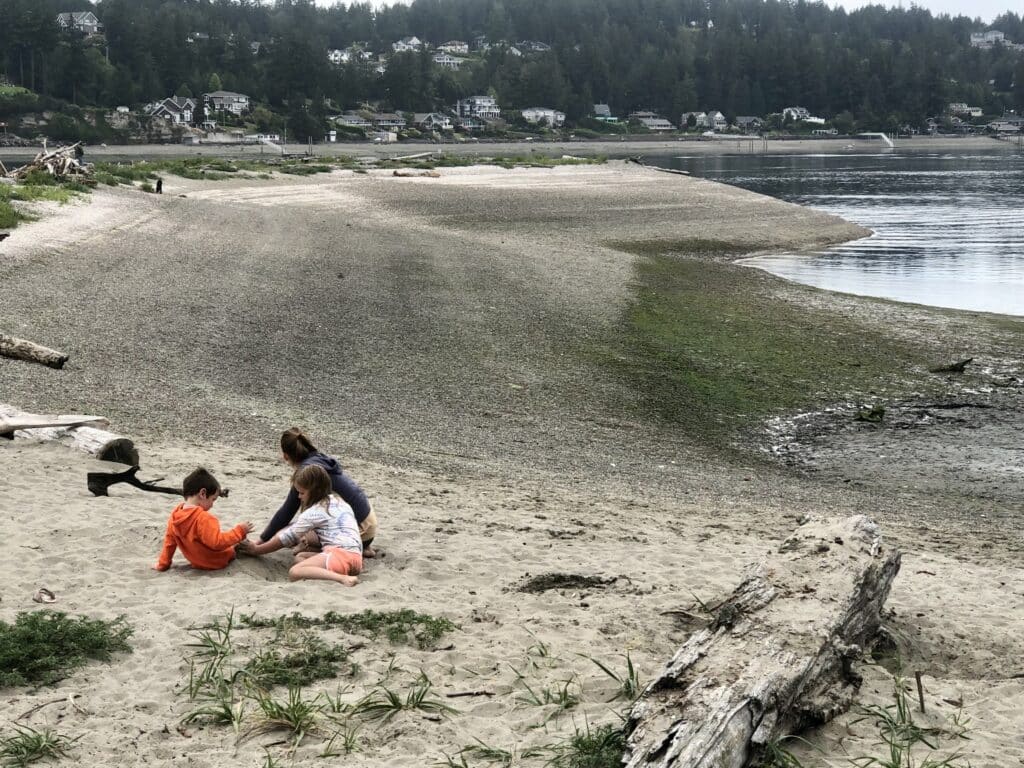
(949,228)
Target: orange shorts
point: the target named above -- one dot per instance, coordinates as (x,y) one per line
(337,560)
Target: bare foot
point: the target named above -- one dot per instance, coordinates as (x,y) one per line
(348,581)
(369,552)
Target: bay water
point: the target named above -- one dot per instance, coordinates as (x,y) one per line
(948,227)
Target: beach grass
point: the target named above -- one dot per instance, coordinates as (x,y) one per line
(39,187)
(42,647)
(401,626)
(712,351)
(27,745)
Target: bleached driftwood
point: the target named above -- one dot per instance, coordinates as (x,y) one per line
(61,163)
(776,659)
(29,351)
(80,432)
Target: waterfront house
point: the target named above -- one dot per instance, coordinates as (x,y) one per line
(176,109)
(552,116)
(351,120)
(749,123)
(388,121)
(482,107)
(226,101)
(795,113)
(656,124)
(432,121)
(448,62)
(603,113)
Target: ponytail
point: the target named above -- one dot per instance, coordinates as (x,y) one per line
(296,446)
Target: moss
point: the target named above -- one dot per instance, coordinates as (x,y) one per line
(712,352)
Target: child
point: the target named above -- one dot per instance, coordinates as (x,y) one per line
(324,514)
(192,529)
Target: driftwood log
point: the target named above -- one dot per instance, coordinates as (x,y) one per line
(20,349)
(81,432)
(777,657)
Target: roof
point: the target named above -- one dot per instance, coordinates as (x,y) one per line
(225,95)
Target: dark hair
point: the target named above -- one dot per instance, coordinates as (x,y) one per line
(296,446)
(198,480)
(315,481)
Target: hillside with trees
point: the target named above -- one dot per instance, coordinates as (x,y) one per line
(871,69)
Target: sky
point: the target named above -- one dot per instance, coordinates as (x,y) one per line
(986,9)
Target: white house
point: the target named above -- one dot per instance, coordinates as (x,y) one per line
(603,113)
(795,113)
(352,120)
(483,107)
(656,124)
(407,44)
(448,61)
(80,21)
(536,114)
(226,101)
(700,120)
(432,121)
(337,57)
(176,109)
(454,46)
(715,120)
(987,39)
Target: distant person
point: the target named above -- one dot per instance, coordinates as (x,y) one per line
(159,185)
(298,451)
(192,529)
(327,518)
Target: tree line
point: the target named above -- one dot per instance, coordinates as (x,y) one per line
(880,67)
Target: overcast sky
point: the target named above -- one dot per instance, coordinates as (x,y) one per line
(986,9)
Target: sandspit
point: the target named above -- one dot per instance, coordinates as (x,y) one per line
(439,336)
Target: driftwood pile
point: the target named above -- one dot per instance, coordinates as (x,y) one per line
(777,657)
(84,433)
(64,164)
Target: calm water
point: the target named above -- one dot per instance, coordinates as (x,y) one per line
(949,228)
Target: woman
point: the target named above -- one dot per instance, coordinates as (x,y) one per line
(299,451)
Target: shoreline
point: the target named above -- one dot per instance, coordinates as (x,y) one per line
(449,339)
(589,148)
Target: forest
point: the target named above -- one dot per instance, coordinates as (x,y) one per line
(874,67)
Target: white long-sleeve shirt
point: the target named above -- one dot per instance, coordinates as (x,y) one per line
(334,523)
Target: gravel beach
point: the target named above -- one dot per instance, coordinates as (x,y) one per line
(438,335)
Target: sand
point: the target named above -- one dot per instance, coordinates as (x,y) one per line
(423,330)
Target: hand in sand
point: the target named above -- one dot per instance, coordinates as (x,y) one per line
(245,547)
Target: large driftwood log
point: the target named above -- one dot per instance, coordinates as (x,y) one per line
(81,432)
(776,659)
(20,349)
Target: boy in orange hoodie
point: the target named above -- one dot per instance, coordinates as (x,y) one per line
(196,532)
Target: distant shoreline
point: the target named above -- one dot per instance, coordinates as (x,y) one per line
(609,147)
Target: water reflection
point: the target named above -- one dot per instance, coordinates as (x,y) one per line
(949,229)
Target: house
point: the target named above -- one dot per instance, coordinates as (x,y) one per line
(337,57)
(387,121)
(715,120)
(483,107)
(552,116)
(533,46)
(481,43)
(603,113)
(351,120)
(407,44)
(226,101)
(812,120)
(447,61)
(824,132)
(432,121)
(795,113)
(656,124)
(986,40)
(749,123)
(454,46)
(700,119)
(642,114)
(177,110)
(80,21)
(470,123)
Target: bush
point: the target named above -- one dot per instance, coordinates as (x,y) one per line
(41,647)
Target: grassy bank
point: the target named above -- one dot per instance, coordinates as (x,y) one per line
(37,188)
(711,350)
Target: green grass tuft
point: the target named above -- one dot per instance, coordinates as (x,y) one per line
(42,647)
(27,745)
(404,626)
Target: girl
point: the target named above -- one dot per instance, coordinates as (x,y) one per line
(324,515)
(298,451)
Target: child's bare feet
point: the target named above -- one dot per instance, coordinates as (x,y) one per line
(348,581)
(369,552)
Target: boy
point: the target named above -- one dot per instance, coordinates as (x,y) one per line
(192,529)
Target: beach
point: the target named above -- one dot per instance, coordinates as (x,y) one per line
(447,338)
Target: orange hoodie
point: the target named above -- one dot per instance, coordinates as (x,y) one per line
(197,534)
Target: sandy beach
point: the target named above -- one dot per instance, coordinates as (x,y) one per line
(438,335)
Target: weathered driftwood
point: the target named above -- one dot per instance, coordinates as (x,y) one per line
(957,367)
(20,349)
(776,659)
(85,435)
(99,483)
(61,163)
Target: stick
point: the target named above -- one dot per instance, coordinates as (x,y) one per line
(920,690)
(69,698)
(460,694)
(99,482)
(20,349)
